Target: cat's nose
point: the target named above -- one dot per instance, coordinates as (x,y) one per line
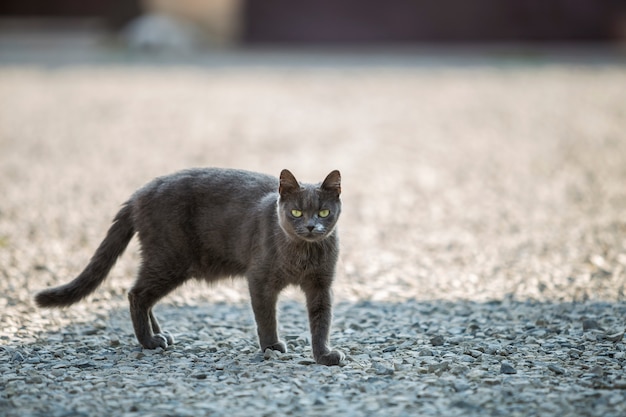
(310,227)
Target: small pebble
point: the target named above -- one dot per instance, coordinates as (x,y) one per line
(461,386)
(114,341)
(426,352)
(57,372)
(590,324)
(382,369)
(597,370)
(556,369)
(475,353)
(84,364)
(35,379)
(508,369)
(437,340)
(615,337)
(438,367)
(270,354)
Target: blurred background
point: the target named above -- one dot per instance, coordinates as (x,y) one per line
(192,23)
(481,142)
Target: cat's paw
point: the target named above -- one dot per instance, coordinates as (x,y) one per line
(158,340)
(279,346)
(168,337)
(334,357)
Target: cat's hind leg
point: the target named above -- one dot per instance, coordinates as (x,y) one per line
(156,328)
(148,289)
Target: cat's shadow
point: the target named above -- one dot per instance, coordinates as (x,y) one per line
(209,328)
(364,329)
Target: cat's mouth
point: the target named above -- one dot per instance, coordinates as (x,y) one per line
(312,236)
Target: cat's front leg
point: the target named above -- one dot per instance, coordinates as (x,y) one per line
(319,306)
(264,308)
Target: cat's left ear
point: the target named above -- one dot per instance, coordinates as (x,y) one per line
(332,183)
(288,183)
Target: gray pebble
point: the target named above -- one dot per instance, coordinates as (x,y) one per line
(475,353)
(615,337)
(590,324)
(437,340)
(114,340)
(455,340)
(574,353)
(438,367)
(319,401)
(271,354)
(84,364)
(426,352)
(507,368)
(35,379)
(381,369)
(556,369)
(597,370)
(461,386)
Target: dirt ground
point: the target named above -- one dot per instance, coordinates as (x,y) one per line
(481,180)
(477,181)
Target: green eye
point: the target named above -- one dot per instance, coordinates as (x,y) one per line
(296,213)
(324,213)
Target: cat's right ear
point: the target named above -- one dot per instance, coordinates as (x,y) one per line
(332,182)
(288,183)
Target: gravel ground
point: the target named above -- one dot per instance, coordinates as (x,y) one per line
(483,235)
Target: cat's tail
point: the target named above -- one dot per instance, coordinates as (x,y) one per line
(111,248)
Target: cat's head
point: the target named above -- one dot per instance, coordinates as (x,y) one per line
(309,212)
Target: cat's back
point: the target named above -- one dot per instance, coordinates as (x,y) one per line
(217,186)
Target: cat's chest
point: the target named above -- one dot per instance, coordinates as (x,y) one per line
(296,265)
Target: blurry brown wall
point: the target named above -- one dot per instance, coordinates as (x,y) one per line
(443,20)
(116,12)
(326,21)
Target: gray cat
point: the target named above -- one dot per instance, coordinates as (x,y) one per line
(214,223)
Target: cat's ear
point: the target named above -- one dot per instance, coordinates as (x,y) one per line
(332,182)
(288,183)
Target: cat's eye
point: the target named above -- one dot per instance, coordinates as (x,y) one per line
(324,213)
(296,213)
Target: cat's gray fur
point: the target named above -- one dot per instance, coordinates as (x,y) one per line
(213,223)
